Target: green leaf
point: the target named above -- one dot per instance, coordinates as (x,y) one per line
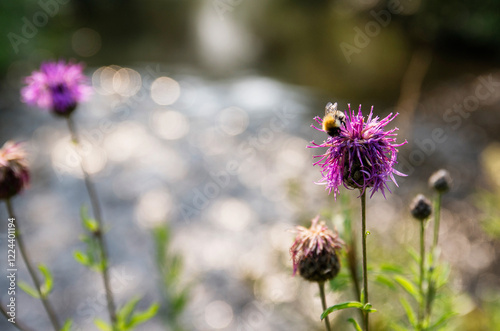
(385,281)
(409,311)
(46,288)
(81,258)
(180,300)
(413,253)
(102,325)
(408,286)
(125,313)
(442,320)
(340,306)
(355,324)
(88,223)
(28,289)
(144,316)
(386,267)
(67,325)
(397,327)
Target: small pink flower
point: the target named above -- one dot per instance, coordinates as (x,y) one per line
(14,174)
(58,87)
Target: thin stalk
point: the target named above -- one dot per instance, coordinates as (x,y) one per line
(433,255)
(18,325)
(421,313)
(353,270)
(27,261)
(437,216)
(323,303)
(94,201)
(365,269)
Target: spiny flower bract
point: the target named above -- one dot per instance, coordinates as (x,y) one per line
(314,252)
(362,155)
(57,86)
(14,174)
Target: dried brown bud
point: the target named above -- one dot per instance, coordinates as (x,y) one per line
(440,181)
(421,207)
(314,252)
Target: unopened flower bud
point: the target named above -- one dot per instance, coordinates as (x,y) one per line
(440,181)
(421,207)
(314,252)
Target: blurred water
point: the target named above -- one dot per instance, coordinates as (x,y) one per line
(224,163)
(211,158)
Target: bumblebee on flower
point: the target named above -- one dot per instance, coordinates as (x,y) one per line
(361,155)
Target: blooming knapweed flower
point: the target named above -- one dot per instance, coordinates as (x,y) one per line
(314,252)
(362,155)
(58,87)
(14,174)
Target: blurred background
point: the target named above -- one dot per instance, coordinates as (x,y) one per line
(199,123)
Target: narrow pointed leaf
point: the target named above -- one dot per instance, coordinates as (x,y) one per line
(409,311)
(28,289)
(144,316)
(386,267)
(385,281)
(67,325)
(408,286)
(125,313)
(354,324)
(81,258)
(340,306)
(442,320)
(46,288)
(102,325)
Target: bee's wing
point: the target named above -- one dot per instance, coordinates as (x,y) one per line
(330,108)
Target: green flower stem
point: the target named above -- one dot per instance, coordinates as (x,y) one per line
(365,269)
(27,261)
(437,216)
(433,254)
(323,303)
(94,201)
(421,314)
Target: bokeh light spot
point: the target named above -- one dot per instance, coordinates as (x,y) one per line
(165,91)
(218,314)
(169,124)
(233,121)
(86,42)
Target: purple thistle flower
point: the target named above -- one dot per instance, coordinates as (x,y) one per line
(58,87)
(362,155)
(14,174)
